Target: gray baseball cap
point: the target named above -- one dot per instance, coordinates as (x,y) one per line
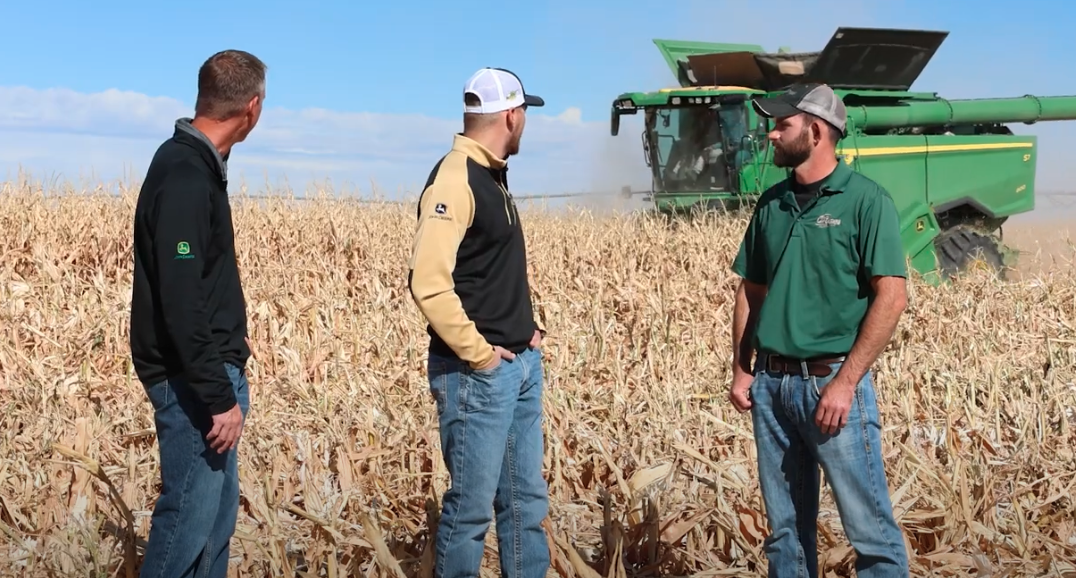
(812,98)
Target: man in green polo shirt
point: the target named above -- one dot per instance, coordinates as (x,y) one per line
(823,285)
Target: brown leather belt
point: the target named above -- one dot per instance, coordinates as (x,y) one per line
(817,367)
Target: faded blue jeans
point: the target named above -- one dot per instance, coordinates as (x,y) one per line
(790,450)
(491,439)
(194,518)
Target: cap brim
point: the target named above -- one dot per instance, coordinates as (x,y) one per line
(776,107)
(531,100)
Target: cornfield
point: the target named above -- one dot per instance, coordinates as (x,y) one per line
(651,470)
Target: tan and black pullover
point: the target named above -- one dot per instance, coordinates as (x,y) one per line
(468,269)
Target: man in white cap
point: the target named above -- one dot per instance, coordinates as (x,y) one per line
(823,287)
(468,276)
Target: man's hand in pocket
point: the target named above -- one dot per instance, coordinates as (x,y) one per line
(502,353)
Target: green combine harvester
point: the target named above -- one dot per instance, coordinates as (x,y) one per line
(954,169)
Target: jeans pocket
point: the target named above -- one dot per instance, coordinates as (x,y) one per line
(436,372)
(819,383)
(475,386)
(437,392)
(240,386)
(485,373)
(160,395)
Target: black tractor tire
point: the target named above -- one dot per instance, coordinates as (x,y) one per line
(960,247)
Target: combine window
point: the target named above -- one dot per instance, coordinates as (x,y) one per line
(691,147)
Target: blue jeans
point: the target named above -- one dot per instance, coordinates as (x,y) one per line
(790,450)
(194,517)
(491,439)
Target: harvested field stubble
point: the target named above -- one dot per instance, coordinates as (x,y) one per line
(651,471)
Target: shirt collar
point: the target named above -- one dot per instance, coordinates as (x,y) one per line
(477,152)
(835,182)
(184,124)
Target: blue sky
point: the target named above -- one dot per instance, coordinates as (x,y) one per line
(368,92)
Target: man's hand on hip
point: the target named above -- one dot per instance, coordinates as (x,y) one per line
(227,427)
(536,341)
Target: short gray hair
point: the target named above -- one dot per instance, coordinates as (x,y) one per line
(226,83)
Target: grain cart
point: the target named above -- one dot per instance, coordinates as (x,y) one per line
(954,169)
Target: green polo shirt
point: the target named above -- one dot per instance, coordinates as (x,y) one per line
(818,262)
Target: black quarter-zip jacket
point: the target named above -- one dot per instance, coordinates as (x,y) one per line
(188,315)
(468,269)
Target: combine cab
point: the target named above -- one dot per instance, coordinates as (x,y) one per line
(954,169)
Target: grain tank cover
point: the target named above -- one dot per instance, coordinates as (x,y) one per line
(854,58)
(678,53)
(765,71)
(874,58)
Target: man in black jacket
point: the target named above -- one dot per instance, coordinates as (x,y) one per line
(188,321)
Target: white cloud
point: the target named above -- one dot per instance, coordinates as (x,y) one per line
(572,116)
(114,133)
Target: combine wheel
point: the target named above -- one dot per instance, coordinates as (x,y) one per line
(962,248)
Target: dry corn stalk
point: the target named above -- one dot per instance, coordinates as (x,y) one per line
(977,394)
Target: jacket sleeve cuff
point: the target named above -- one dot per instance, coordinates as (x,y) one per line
(223,405)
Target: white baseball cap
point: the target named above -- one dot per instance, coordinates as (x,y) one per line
(497,89)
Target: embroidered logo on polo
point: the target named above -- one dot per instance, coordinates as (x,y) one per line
(826,220)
